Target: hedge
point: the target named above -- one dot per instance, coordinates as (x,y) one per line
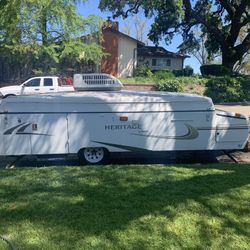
(214,70)
(220,89)
(170,85)
(228,89)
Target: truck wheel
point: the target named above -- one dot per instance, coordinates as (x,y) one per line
(93,155)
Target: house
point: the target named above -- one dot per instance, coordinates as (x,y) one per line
(124,53)
(120,49)
(158,58)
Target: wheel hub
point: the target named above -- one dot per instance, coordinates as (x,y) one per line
(94,155)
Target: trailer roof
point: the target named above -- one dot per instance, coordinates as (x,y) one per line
(112,98)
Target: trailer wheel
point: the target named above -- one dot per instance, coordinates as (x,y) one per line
(8,95)
(93,155)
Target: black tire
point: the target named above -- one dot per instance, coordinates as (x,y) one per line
(9,95)
(93,156)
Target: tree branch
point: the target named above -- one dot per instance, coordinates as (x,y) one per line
(245,21)
(244,47)
(228,7)
(133,9)
(241,9)
(190,13)
(236,25)
(219,11)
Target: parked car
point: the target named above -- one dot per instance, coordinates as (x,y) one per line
(36,85)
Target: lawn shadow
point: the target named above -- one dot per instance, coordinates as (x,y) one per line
(172,157)
(119,197)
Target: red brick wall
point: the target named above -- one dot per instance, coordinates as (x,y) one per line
(109,63)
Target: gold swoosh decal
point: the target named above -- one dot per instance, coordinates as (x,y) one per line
(190,135)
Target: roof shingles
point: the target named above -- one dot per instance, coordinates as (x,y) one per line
(154,51)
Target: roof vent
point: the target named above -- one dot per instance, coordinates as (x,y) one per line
(86,82)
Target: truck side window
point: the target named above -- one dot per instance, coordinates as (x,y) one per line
(47,82)
(33,83)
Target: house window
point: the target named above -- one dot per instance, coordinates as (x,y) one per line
(154,62)
(161,62)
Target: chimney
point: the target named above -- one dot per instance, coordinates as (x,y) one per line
(109,24)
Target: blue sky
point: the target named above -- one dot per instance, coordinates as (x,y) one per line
(91,8)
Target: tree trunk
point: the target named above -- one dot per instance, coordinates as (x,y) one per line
(229,58)
(44,28)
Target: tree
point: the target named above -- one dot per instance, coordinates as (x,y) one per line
(221,20)
(41,33)
(138,26)
(2,3)
(243,65)
(197,48)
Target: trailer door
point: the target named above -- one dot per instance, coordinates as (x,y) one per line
(49,134)
(16,134)
(2,152)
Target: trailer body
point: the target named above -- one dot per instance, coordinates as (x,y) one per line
(116,121)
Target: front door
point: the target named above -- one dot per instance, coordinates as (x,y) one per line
(33,86)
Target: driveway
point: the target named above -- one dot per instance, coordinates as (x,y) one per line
(236,108)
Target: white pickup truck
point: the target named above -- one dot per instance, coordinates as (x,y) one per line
(36,85)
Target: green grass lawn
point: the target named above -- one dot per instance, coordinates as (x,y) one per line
(137,80)
(126,207)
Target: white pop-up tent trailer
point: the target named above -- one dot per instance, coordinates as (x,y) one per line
(93,123)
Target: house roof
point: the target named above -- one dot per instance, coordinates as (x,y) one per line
(124,35)
(154,51)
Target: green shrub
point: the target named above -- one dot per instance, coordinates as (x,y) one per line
(245,86)
(188,71)
(136,80)
(179,84)
(214,70)
(163,74)
(170,85)
(192,80)
(225,89)
(178,72)
(143,71)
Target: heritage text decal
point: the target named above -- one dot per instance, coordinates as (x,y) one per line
(123,127)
